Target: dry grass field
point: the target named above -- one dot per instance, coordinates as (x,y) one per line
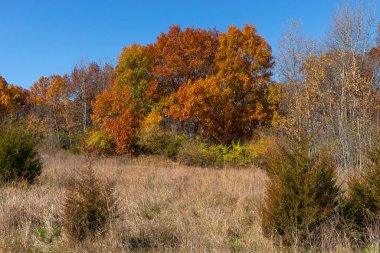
(165,207)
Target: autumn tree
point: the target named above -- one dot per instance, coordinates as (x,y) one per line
(294,50)
(371,70)
(351,42)
(232,103)
(52,103)
(181,55)
(12,100)
(89,80)
(119,110)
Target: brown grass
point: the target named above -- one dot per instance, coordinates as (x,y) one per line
(166,208)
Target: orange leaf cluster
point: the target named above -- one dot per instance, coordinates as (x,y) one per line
(230,104)
(12,98)
(115,117)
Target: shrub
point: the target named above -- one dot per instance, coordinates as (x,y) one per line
(71,141)
(154,139)
(301,194)
(158,141)
(172,145)
(363,203)
(98,142)
(19,159)
(91,205)
(262,149)
(237,154)
(197,153)
(151,136)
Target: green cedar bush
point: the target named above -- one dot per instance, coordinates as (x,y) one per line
(19,159)
(363,203)
(301,193)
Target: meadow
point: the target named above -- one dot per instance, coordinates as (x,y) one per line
(164,206)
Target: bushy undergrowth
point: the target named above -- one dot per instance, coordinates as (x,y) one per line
(91,206)
(19,159)
(161,142)
(301,194)
(98,142)
(71,141)
(193,152)
(189,150)
(362,207)
(196,153)
(262,149)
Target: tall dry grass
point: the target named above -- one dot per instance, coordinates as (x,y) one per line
(166,207)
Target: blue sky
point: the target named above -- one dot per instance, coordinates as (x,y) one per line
(44,37)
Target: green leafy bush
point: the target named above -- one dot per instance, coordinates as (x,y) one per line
(158,141)
(98,142)
(19,159)
(363,203)
(91,205)
(196,153)
(172,145)
(71,141)
(237,154)
(301,194)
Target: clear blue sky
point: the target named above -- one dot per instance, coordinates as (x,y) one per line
(42,37)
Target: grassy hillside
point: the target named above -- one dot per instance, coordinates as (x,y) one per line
(165,207)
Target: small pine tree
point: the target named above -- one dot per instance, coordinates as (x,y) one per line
(19,159)
(91,205)
(363,202)
(301,194)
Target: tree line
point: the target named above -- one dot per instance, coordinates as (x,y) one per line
(216,87)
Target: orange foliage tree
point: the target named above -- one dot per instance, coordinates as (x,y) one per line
(180,56)
(232,103)
(52,102)
(12,99)
(116,117)
(119,110)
